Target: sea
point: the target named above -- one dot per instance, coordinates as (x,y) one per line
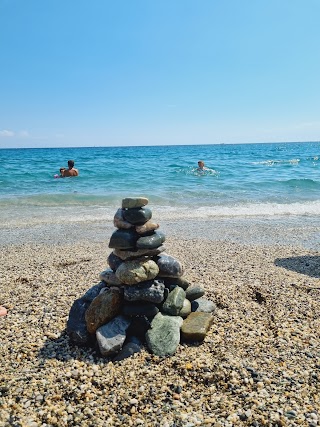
(243,181)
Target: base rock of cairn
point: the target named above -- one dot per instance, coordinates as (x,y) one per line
(142,298)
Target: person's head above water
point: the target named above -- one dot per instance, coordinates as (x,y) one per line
(70,164)
(201,164)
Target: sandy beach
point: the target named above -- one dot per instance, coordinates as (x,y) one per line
(259,364)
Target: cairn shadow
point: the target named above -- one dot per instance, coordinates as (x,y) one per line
(307,265)
(63,349)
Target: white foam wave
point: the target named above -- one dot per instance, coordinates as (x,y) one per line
(68,215)
(276,162)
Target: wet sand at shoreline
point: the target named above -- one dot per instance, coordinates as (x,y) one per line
(259,364)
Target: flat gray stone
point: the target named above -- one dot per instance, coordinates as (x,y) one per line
(112,335)
(134,202)
(164,336)
(108,276)
(203,305)
(194,292)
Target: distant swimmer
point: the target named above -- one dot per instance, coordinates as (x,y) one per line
(201,167)
(71,171)
(203,170)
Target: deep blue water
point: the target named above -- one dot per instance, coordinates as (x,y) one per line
(247,179)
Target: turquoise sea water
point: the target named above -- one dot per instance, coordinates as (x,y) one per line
(247,180)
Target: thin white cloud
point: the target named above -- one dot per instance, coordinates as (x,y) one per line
(6,133)
(24,134)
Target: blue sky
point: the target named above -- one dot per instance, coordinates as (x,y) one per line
(150,72)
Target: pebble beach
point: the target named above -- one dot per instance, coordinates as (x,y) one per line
(258,365)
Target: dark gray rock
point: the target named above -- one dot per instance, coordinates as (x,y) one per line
(164,336)
(112,335)
(138,327)
(93,292)
(76,324)
(137,216)
(138,253)
(194,292)
(150,291)
(114,261)
(123,239)
(140,309)
(108,276)
(168,266)
(151,241)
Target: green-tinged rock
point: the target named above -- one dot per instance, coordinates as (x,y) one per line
(136,271)
(103,308)
(151,241)
(196,326)
(186,309)
(137,216)
(176,281)
(123,239)
(194,292)
(164,336)
(134,202)
(174,302)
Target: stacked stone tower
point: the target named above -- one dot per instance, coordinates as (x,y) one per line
(142,298)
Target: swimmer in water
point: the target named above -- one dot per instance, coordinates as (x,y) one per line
(201,167)
(71,171)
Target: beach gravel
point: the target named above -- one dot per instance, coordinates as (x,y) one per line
(259,364)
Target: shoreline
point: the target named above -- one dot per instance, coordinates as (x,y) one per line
(260,362)
(301,231)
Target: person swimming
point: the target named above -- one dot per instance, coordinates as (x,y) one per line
(71,171)
(201,167)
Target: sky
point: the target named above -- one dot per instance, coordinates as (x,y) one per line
(158,72)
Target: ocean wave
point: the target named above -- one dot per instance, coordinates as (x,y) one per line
(277,162)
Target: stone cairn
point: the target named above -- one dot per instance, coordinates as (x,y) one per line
(142,298)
